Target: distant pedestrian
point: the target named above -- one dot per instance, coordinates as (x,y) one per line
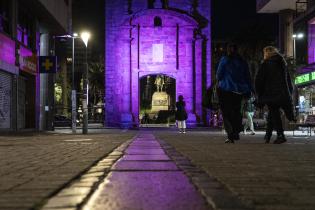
(274,88)
(233,84)
(249,110)
(181,114)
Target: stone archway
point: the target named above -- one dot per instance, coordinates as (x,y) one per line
(169,46)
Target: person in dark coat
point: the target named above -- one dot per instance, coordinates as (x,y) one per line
(274,88)
(181,114)
(233,84)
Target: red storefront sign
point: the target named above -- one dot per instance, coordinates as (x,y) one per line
(28,60)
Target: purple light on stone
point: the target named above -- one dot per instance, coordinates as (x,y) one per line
(146,190)
(311,43)
(173,50)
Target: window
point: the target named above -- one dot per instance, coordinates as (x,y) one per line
(26,33)
(157,22)
(5,16)
(157,53)
(151,4)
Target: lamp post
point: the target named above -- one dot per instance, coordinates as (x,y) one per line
(73,91)
(85,36)
(295,37)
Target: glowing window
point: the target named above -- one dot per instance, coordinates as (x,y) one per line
(157,22)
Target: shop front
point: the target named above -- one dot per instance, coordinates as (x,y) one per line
(27,89)
(305,84)
(8,72)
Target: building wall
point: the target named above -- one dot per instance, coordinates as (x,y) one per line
(59,9)
(18,62)
(130,35)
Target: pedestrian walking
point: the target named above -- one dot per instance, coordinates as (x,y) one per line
(233,84)
(249,110)
(274,88)
(181,114)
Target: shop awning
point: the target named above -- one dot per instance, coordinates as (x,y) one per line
(306,69)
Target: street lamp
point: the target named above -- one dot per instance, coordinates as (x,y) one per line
(73,91)
(295,37)
(85,36)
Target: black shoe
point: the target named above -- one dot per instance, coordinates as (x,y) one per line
(229,141)
(280,139)
(236,136)
(267,138)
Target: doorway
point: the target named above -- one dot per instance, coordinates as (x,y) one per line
(157,100)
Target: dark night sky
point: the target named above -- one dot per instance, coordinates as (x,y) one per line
(89,15)
(230,18)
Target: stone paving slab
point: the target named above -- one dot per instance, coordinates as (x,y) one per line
(146,157)
(146,185)
(141,151)
(265,176)
(126,191)
(144,166)
(34,167)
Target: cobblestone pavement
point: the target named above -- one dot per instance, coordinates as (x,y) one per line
(35,166)
(264,176)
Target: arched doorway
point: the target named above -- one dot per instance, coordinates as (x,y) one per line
(157,98)
(156,42)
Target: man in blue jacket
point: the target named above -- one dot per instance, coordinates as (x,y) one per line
(233,84)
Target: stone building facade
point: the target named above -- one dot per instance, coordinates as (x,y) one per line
(146,37)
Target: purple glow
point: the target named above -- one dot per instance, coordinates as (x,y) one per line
(311,43)
(145,184)
(172,50)
(7,49)
(157,52)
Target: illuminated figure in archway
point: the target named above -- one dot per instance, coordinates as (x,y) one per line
(159,82)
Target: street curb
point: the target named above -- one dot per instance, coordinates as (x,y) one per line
(77,191)
(217,195)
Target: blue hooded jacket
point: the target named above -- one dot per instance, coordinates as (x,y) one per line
(233,75)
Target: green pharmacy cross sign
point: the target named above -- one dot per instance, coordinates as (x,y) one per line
(305,78)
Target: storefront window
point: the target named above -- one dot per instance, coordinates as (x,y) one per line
(25,29)
(306,102)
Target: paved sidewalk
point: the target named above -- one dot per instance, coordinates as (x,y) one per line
(265,176)
(145,178)
(35,166)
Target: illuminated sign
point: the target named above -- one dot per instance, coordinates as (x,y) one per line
(305,78)
(28,60)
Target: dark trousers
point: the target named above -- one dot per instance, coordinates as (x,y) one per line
(274,121)
(230,104)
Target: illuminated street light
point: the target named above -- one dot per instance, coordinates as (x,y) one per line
(295,37)
(85,36)
(300,36)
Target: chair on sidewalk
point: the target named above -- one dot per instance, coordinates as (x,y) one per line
(309,124)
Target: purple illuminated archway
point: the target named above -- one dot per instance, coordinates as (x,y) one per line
(152,42)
